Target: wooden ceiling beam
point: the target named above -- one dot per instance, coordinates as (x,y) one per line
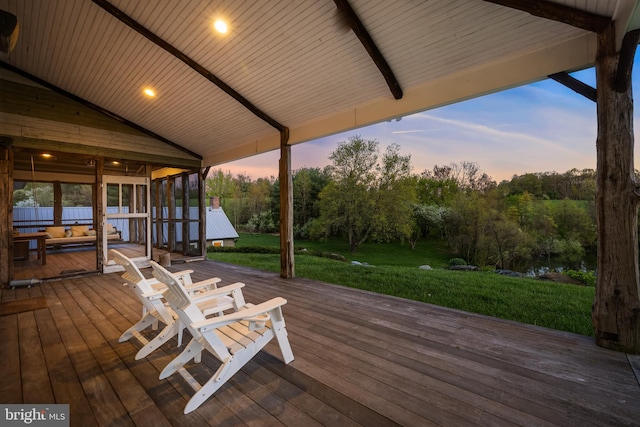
(98,108)
(575,85)
(557,12)
(363,35)
(140,29)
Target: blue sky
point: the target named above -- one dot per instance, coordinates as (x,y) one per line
(541,127)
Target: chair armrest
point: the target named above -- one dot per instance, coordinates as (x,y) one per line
(190,287)
(180,274)
(214,293)
(153,295)
(203,284)
(250,313)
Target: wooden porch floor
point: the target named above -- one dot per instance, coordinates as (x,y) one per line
(360,359)
(73,259)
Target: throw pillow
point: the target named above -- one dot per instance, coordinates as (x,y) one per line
(79,230)
(55,232)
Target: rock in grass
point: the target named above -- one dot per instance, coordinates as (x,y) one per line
(508,273)
(463,267)
(337,257)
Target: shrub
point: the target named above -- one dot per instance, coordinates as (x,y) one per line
(302,232)
(586,277)
(262,223)
(457,261)
(244,249)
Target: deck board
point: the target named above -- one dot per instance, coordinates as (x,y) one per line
(360,359)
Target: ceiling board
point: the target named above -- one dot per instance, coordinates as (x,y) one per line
(296,61)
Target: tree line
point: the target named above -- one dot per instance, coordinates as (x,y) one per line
(365,195)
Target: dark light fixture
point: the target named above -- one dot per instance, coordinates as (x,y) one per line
(8,31)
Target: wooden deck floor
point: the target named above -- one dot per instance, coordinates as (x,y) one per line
(360,359)
(70,260)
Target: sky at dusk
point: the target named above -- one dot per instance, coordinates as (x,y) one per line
(540,127)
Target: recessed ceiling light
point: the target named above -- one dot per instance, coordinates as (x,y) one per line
(221,26)
(115,162)
(46,155)
(149,92)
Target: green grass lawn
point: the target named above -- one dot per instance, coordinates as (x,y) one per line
(431,252)
(394,271)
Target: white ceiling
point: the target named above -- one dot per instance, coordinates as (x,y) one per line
(293,59)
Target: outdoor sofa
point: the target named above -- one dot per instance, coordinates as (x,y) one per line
(77,235)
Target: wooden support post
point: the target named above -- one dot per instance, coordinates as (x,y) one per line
(616,308)
(57,202)
(158,204)
(133,232)
(202,211)
(6,214)
(171,216)
(186,237)
(139,225)
(99,209)
(287,263)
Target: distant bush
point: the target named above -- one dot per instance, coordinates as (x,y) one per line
(262,223)
(244,249)
(321,254)
(586,277)
(457,261)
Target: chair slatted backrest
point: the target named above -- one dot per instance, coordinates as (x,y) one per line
(177,296)
(187,310)
(140,285)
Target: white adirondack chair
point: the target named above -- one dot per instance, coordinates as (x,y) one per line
(233,338)
(155,309)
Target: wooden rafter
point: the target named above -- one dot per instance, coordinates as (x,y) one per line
(557,12)
(140,29)
(205,172)
(363,35)
(98,108)
(625,63)
(575,85)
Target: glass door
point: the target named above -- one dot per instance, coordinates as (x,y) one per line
(126,219)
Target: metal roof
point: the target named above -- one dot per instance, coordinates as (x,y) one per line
(296,61)
(219,226)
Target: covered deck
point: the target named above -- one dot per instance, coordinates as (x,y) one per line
(360,359)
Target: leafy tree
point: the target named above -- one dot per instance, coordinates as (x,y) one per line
(574,184)
(220,184)
(76,194)
(347,203)
(366,196)
(396,195)
(34,194)
(431,190)
(529,182)
(505,244)
(466,175)
(258,195)
(307,185)
(426,219)
(575,223)
(465,225)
